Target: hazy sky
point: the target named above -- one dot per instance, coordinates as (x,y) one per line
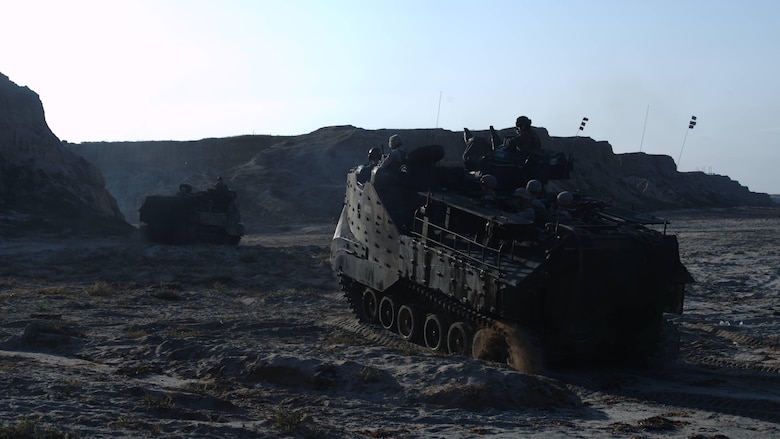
(184,70)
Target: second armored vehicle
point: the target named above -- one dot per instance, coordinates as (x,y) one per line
(209,216)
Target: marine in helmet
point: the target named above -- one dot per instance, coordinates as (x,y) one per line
(535,188)
(374,157)
(526,140)
(397,157)
(564,202)
(536,191)
(522,198)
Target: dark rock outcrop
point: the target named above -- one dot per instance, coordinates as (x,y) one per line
(42,183)
(647,181)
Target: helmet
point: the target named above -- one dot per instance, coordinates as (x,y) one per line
(565,198)
(534,186)
(395,141)
(522,193)
(489,181)
(523,122)
(374,154)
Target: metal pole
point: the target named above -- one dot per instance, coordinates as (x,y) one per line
(580,128)
(643,128)
(681,150)
(438,110)
(691,124)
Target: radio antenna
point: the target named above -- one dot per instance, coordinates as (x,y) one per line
(438,110)
(691,124)
(643,128)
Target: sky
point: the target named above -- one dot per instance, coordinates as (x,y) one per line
(127,70)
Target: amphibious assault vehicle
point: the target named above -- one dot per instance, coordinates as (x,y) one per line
(188,217)
(422,252)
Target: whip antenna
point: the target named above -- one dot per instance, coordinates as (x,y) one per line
(643,128)
(438,110)
(691,124)
(580,128)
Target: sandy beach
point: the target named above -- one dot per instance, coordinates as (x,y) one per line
(115,337)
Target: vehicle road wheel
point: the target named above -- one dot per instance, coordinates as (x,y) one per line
(409,324)
(370,304)
(459,339)
(387,312)
(433,332)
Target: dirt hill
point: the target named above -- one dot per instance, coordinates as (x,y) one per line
(44,185)
(298,179)
(281,180)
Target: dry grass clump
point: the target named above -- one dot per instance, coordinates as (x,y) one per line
(163,401)
(99,289)
(53,327)
(287,420)
(369,374)
(29,428)
(294,293)
(182,332)
(204,389)
(57,290)
(96,289)
(6,365)
(323,259)
(166,291)
(8,282)
(294,422)
(137,333)
(335,341)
